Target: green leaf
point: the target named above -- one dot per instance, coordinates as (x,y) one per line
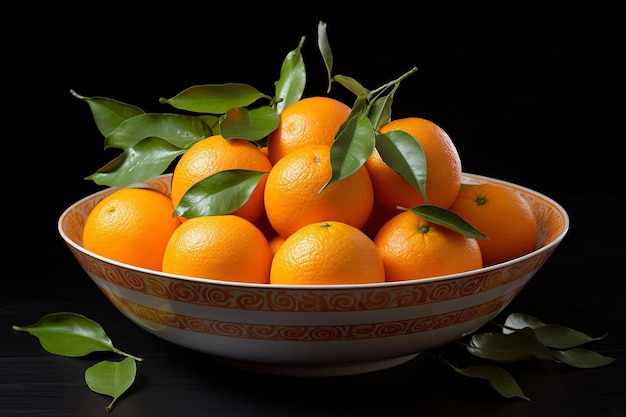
(212,121)
(404,154)
(551,335)
(251,125)
(290,85)
(380,111)
(582,358)
(220,193)
(70,334)
(111,378)
(446,218)
(497,379)
(519,321)
(108,113)
(499,347)
(561,337)
(352,146)
(215,98)
(351,85)
(324,47)
(180,130)
(137,164)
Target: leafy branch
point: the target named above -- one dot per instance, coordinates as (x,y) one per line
(149,143)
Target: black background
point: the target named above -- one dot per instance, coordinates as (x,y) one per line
(530,96)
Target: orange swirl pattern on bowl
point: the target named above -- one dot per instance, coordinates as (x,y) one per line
(382,297)
(310,333)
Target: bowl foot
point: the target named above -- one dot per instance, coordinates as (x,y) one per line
(334,369)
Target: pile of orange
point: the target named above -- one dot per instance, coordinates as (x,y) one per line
(290,232)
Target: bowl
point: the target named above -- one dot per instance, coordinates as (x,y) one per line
(314,330)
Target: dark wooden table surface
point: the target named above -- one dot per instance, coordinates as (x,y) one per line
(526,97)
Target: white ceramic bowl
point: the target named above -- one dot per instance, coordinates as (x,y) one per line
(314,330)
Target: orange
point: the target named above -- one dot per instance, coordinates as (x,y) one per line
(131,225)
(311,120)
(214,154)
(503,215)
(276,242)
(413,248)
(293,200)
(327,253)
(443,168)
(223,247)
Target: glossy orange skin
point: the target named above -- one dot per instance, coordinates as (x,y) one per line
(309,121)
(132,225)
(414,248)
(503,215)
(224,247)
(443,162)
(293,198)
(213,154)
(327,253)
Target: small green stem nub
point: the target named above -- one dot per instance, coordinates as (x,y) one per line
(138,359)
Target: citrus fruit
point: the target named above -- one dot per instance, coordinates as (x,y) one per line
(443,168)
(223,247)
(214,154)
(311,120)
(131,225)
(275,243)
(413,248)
(327,253)
(293,198)
(503,215)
